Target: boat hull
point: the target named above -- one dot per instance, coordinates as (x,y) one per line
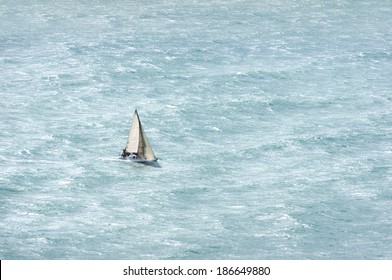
(139,160)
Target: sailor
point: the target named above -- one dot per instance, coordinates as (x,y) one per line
(124,153)
(133,156)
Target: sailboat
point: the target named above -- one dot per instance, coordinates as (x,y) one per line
(138,149)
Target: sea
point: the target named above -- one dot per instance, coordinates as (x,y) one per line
(272,121)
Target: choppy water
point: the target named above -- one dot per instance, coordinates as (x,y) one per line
(272,121)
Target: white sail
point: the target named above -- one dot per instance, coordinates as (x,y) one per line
(134,135)
(148,152)
(138,142)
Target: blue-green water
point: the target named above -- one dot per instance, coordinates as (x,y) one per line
(272,121)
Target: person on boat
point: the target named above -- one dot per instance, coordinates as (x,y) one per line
(124,154)
(133,156)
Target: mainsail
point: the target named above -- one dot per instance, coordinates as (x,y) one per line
(137,140)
